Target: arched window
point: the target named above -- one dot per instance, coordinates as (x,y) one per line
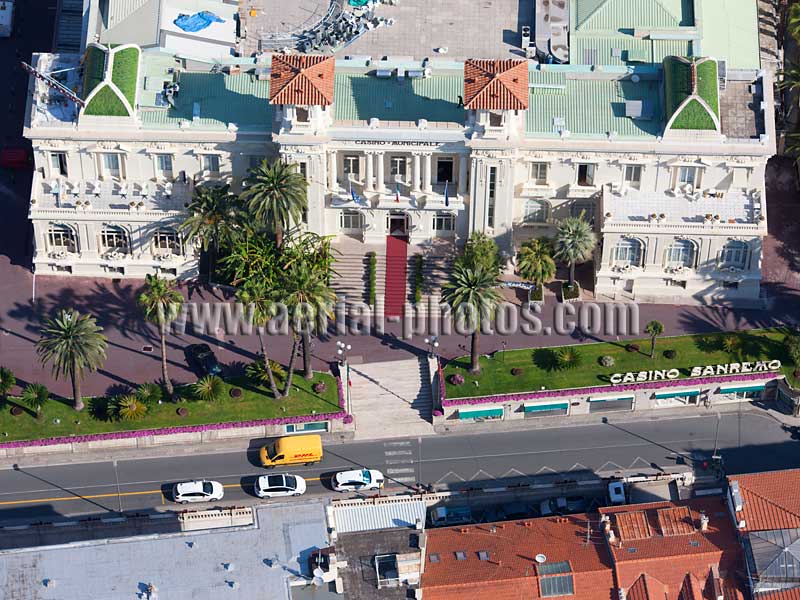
(167,240)
(61,238)
(113,237)
(679,254)
(627,252)
(734,254)
(536,211)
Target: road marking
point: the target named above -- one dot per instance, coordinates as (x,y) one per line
(404,470)
(405,479)
(398,461)
(398,453)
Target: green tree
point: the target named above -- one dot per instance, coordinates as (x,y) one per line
(149,393)
(575,241)
(161,304)
(129,408)
(792,344)
(653,329)
(793,22)
(7,382)
(473,294)
(534,261)
(73,344)
(276,196)
(568,358)
(481,251)
(210,388)
(35,396)
(260,295)
(214,218)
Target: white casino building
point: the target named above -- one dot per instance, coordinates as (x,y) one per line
(657,127)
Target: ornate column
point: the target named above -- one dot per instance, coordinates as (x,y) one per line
(462,174)
(380,184)
(368,181)
(416,175)
(333,182)
(427,174)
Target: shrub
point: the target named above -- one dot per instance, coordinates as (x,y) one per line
(319,387)
(129,408)
(570,292)
(235,393)
(256,371)
(16,411)
(210,388)
(456,379)
(792,344)
(373,274)
(568,358)
(632,347)
(670,354)
(438,413)
(7,381)
(731,343)
(347,419)
(607,361)
(182,411)
(100,408)
(149,393)
(797,373)
(35,396)
(418,270)
(516,371)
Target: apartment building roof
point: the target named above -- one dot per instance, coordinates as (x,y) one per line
(767,500)
(606,15)
(496,84)
(301,79)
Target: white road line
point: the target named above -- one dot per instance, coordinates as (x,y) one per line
(398,453)
(404,470)
(400,461)
(405,479)
(396,443)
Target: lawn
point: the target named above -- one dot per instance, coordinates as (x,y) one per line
(255,403)
(125,72)
(539,371)
(693,116)
(93,67)
(106,103)
(707,84)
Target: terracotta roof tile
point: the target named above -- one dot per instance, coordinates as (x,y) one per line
(633,526)
(766,502)
(646,587)
(496,84)
(675,521)
(792,594)
(304,80)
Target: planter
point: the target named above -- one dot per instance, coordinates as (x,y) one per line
(182,411)
(319,388)
(570,294)
(235,393)
(16,411)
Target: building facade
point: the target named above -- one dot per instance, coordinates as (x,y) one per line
(660,138)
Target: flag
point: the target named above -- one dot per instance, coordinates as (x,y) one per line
(446,195)
(352,192)
(396,191)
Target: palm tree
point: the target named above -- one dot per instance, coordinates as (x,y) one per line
(568,358)
(210,388)
(129,408)
(161,303)
(276,196)
(7,382)
(473,293)
(575,241)
(653,329)
(260,295)
(73,344)
(213,218)
(793,22)
(534,261)
(309,301)
(35,396)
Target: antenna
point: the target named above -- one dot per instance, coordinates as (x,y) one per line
(588,531)
(53,84)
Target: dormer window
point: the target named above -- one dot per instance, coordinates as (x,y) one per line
(302,114)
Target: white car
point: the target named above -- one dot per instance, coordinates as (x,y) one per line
(275,486)
(197,491)
(358,480)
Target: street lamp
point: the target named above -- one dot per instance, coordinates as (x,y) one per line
(504,344)
(433,344)
(341,350)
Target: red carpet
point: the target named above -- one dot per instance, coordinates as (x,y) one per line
(396,275)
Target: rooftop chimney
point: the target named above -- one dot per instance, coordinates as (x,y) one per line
(703,522)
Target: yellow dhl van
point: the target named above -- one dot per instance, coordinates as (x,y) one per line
(292,450)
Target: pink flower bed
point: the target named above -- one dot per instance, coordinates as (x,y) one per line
(119,435)
(604,389)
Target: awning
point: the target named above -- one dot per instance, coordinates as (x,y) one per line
(677,394)
(529,408)
(628,397)
(753,387)
(479,412)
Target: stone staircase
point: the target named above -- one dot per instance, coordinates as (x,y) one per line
(391,399)
(69,26)
(436,271)
(352,268)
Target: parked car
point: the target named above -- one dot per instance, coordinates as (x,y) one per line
(562,505)
(358,480)
(197,491)
(15,158)
(202,357)
(276,486)
(616,492)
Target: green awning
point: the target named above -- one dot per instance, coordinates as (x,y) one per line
(480,412)
(677,394)
(755,387)
(542,407)
(612,399)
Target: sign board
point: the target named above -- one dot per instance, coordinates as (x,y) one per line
(760,366)
(53,84)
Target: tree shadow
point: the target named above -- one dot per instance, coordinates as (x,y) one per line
(545,359)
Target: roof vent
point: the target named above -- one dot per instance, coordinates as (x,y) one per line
(736,496)
(461,555)
(633,108)
(540,558)
(434,558)
(492,529)
(483,555)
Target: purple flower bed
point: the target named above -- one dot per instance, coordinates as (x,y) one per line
(650,385)
(119,435)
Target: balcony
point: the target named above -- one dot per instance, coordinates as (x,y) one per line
(388,199)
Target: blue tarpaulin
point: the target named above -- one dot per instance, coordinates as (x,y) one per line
(197,21)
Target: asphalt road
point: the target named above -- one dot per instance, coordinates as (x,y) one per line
(748,441)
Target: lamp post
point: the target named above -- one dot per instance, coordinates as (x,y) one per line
(504,344)
(433,344)
(341,350)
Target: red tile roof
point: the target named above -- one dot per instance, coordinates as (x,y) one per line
(793,594)
(511,570)
(496,84)
(767,502)
(646,587)
(304,80)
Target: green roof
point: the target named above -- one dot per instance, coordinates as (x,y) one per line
(125,72)
(613,15)
(359,97)
(592,108)
(106,103)
(93,69)
(683,94)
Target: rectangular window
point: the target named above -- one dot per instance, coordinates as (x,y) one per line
(730,285)
(211,163)
(303,169)
(58,163)
(397,167)
(492,194)
(61,238)
(538,174)
(535,211)
(304,427)
(302,115)
(351,165)
(586,174)
(582,209)
(114,239)
(443,221)
(687,176)
(111,164)
(167,240)
(557,585)
(351,219)
(633,176)
(444,169)
(254,161)
(495,119)
(164,164)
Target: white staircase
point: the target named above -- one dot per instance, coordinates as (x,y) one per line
(352,272)
(391,399)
